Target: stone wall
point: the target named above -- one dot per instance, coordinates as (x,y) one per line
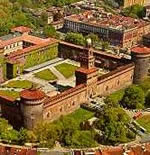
(65,102)
(11,111)
(71,99)
(115,80)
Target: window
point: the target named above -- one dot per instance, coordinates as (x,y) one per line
(107,88)
(61,109)
(48,115)
(118,82)
(73,103)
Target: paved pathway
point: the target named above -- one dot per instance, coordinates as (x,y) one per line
(57,73)
(10,89)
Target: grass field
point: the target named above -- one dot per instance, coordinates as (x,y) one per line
(145,122)
(8,93)
(46,75)
(78,116)
(19,84)
(67,70)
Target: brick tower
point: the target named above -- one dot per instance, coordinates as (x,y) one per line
(140,57)
(32,107)
(87,73)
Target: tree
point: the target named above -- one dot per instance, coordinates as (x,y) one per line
(112,122)
(75,38)
(46,134)
(135,11)
(50,31)
(147,99)
(104,45)
(111,102)
(7,133)
(94,38)
(133,98)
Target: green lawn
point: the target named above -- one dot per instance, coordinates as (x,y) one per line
(19,84)
(46,75)
(8,93)
(78,116)
(67,70)
(145,122)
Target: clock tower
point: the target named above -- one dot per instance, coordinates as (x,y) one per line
(87,73)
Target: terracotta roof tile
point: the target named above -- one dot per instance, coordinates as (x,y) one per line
(86,71)
(32,94)
(113,151)
(140,50)
(21,29)
(31,48)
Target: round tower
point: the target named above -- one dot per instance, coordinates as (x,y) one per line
(32,106)
(141,57)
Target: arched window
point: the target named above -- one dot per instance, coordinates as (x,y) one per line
(48,115)
(107,88)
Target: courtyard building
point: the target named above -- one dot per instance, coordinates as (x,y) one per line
(118,30)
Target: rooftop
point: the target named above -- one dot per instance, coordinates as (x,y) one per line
(45,42)
(86,71)
(98,19)
(32,94)
(140,50)
(10,36)
(21,29)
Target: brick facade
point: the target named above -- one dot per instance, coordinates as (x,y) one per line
(88,85)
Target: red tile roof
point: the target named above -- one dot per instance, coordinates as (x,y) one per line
(31,48)
(140,50)
(21,29)
(113,151)
(86,71)
(32,94)
(26,38)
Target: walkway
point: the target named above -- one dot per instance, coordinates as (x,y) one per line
(45,64)
(57,73)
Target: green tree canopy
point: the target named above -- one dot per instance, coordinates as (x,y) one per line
(49,31)
(112,122)
(135,11)
(75,38)
(133,98)
(93,37)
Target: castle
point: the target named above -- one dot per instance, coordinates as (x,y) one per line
(35,105)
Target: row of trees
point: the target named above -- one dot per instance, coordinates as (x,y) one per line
(79,39)
(135,11)
(66,131)
(133,97)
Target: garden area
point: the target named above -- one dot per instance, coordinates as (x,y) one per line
(15,84)
(46,75)
(24,84)
(9,93)
(144,121)
(67,70)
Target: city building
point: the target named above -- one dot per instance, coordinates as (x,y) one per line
(17,51)
(120,31)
